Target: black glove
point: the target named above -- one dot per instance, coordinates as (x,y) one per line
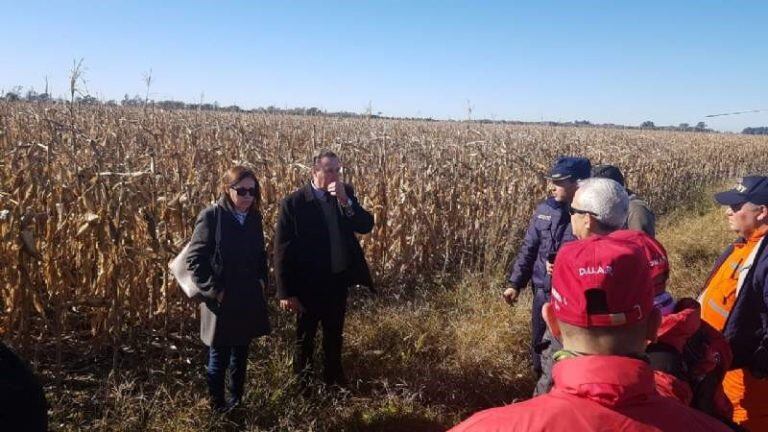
(759,364)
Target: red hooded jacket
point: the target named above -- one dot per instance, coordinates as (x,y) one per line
(712,356)
(595,393)
(677,328)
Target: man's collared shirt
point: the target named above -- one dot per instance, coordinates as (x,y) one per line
(319,193)
(322,195)
(338,251)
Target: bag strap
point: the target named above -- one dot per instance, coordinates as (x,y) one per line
(218,227)
(216,259)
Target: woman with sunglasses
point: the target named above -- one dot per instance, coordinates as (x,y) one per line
(232,277)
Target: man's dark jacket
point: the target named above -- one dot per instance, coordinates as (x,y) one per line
(640,217)
(746,328)
(549,228)
(23,406)
(242,313)
(302,246)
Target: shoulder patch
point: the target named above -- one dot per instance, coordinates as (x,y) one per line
(544,217)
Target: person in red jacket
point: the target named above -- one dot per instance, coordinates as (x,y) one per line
(689,356)
(602,310)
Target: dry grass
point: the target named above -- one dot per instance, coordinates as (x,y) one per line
(420,362)
(99,199)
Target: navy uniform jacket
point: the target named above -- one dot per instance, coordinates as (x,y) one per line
(549,229)
(746,327)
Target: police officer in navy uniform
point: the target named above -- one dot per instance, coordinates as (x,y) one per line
(549,228)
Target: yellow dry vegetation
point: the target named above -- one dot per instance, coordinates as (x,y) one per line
(94,201)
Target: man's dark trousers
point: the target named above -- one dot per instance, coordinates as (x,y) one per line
(326,307)
(538,327)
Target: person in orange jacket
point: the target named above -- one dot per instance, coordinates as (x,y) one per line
(602,310)
(735,301)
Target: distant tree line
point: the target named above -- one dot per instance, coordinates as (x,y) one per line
(214,106)
(17,94)
(682,127)
(756,130)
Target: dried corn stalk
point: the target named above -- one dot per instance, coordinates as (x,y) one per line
(93,207)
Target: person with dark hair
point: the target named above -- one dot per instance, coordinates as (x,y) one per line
(228,261)
(549,228)
(640,216)
(22,401)
(317,258)
(602,309)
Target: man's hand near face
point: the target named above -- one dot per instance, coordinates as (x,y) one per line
(338,190)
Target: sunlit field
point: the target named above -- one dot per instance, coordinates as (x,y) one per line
(95,201)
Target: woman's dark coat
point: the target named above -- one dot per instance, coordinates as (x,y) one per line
(242,313)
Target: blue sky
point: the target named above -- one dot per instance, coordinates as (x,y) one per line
(604,61)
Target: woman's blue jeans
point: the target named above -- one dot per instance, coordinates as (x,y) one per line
(221,359)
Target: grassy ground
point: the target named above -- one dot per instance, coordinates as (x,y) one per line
(420,362)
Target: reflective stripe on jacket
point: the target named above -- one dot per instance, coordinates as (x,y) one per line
(734,301)
(744,313)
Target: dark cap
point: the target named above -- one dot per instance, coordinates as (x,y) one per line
(568,167)
(609,172)
(752,189)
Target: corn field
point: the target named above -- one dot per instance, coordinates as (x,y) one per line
(95,201)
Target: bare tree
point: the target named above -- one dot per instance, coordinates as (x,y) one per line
(470,107)
(147,82)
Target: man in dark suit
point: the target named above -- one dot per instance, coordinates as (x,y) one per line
(317,257)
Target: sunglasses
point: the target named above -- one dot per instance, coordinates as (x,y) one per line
(574,210)
(735,208)
(241,191)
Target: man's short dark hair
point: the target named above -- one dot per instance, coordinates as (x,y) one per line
(608,171)
(323,154)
